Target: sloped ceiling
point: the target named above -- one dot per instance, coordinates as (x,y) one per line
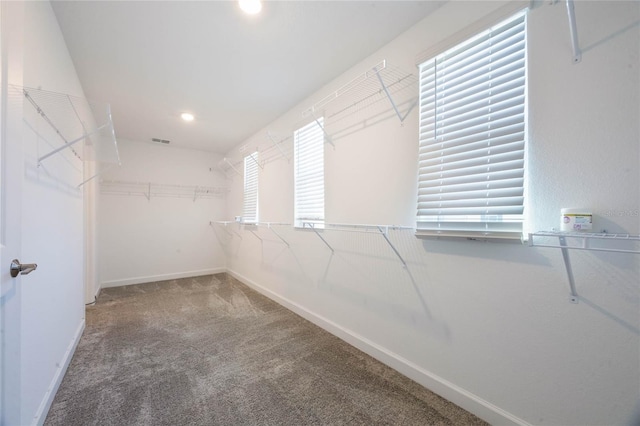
(152,60)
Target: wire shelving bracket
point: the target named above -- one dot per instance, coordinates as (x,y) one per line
(384,231)
(74,119)
(270,226)
(312,226)
(256,161)
(225,226)
(327,136)
(380,82)
(573,29)
(377,229)
(277,145)
(250,227)
(225,166)
(582,241)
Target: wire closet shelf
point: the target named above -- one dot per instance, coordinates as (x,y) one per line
(318,229)
(377,94)
(70,124)
(151,190)
(566,241)
(381,92)
(586,241)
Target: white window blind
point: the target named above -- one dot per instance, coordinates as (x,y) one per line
(250,210)
(309,173)
(472,136)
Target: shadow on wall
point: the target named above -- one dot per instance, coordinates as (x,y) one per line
(41,176)
(610,37)
(226,239)
(417,315)
(515,251)
(363,270)
(605,224)
(631,327)
(357,124)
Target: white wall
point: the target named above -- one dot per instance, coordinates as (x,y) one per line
(162,238)
(90,195)
(52,309)
(487,325)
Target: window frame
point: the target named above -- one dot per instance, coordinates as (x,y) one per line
(442,197)
(309,185)
(251,184)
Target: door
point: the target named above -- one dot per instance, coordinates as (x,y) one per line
(11,175)
(41,211)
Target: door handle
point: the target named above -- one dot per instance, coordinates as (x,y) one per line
(21,268)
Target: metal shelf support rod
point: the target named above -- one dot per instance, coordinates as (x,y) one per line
(255,234)
(225,224)
(326,135)
(310,225)
(68,144)
(97,174)
(386,91)
(256,161)
(277,144)
(384,232)
(227,231)
(278,235)
(577,55)
(231,165)
(567,264)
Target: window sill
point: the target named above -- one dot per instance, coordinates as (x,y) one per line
(496,237)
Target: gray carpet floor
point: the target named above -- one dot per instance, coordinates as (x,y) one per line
(211,351)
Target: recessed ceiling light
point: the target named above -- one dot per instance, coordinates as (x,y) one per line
(186,116)
(250,7)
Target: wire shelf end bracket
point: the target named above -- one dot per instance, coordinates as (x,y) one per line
(586,241)
(311,225)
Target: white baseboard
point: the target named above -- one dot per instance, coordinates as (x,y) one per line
(47,400)
(459,396)
(164,277)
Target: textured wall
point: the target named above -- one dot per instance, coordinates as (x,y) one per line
(162,238)
(488,325)
(52,310)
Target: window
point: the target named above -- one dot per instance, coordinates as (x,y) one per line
(472,136)
(250,210)
(309,173)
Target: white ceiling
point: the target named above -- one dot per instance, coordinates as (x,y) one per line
(236,73)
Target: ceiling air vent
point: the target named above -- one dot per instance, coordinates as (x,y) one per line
(164,141)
